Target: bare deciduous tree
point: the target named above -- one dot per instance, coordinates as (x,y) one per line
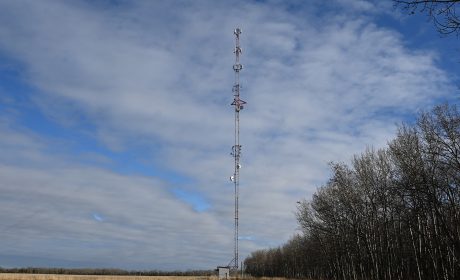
(391,214)
(442,12)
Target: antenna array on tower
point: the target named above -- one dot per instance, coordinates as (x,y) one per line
(236,149)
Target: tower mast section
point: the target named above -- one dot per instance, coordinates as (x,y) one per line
(236,149)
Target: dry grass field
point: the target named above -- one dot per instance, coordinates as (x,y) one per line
(13,276)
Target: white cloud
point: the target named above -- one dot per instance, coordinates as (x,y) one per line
(159,76)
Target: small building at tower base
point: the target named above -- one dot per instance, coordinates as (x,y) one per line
(223,272)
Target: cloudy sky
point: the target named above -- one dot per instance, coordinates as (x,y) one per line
(116,126)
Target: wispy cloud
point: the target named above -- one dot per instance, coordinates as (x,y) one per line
(145,87)
(195,200)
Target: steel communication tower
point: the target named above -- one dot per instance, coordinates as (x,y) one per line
(236,149)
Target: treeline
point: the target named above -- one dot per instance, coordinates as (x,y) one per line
(105,271)
(389,214)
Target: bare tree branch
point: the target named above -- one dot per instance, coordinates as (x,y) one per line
(441,12)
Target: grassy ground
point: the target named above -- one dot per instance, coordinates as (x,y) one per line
(13,276)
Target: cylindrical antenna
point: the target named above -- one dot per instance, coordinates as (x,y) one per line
(236,149)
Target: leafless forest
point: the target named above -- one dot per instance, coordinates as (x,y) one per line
(390,214)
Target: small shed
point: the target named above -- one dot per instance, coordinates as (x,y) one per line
(223,272)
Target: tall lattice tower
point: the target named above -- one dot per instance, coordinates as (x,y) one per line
(238,104)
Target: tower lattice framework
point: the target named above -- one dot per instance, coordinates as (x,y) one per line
(238,105)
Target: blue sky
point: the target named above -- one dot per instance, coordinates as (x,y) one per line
(116,125)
